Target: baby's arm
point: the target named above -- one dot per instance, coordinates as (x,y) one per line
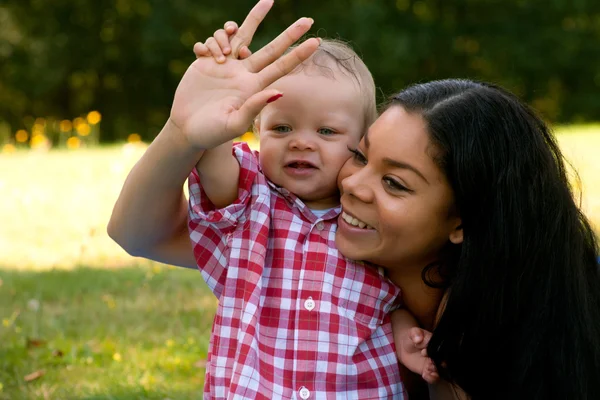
(219,173)
(218,169)
(411,345)
(212,105)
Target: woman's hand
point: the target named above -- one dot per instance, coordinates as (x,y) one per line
(215,102)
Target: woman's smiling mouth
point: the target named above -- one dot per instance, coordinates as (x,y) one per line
(354,221)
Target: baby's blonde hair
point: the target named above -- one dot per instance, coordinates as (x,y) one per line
(349,63)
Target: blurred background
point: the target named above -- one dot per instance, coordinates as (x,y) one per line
(86,85)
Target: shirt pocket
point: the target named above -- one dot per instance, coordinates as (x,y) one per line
(359,293)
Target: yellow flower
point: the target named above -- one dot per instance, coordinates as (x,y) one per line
(117,357)
(73,142)
(251,139)
(134,138)
(78,121)
(38,141)
(83,129)
(22,136)
(170,343)
(66,125)
(94,117)
(37,129)
(6,322)
(8,148)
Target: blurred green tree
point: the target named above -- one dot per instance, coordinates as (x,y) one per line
(124,57)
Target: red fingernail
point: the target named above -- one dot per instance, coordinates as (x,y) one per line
(272,99)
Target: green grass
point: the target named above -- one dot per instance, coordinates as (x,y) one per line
(99,323)
(126,333)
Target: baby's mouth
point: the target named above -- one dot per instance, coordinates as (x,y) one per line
(300,165)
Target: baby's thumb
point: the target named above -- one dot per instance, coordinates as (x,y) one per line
(242,118)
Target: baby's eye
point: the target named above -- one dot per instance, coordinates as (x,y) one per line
(282,129)
(358,156)
(327,131)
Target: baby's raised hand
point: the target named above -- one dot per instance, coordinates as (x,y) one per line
(215,102)
(218,46)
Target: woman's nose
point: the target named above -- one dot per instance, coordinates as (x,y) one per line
(358,184)
(302,141)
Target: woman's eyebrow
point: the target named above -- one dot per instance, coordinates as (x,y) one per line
(397,164)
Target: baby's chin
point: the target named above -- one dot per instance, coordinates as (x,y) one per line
(321,202)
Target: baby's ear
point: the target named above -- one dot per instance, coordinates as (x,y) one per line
(256,125)
(456,235)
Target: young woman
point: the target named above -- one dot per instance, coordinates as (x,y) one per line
(466,189)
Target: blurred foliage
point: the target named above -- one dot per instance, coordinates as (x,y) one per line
(61,58)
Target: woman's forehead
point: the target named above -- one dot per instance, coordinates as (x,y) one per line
(399,137)
(398,131)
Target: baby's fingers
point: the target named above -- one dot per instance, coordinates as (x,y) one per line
(244,53)
(200,50)
(430,372)
(231,27)
(222,39)
(215,49)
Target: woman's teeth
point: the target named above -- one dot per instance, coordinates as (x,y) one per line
(355,222)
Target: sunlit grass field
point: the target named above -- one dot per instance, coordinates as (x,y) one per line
(83,320)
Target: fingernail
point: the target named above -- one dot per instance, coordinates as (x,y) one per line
(226,50)
(221,59)
(312,21)
(272,99)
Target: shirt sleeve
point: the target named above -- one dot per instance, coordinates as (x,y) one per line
(210,228)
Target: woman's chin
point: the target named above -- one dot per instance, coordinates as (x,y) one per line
(350,248)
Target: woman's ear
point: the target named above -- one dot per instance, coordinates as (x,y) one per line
(456,236)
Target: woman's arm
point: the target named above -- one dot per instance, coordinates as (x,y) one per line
(149,218)
(213,104)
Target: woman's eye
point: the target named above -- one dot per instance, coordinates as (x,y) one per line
(326,131)
(282,129)
(358,156)
(395,185)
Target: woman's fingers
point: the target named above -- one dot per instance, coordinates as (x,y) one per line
(242,118)
(222,38)
(246,32)
(279,45)
(286,64)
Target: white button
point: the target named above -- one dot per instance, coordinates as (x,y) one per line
(320,225)
(304,393)
(309,304)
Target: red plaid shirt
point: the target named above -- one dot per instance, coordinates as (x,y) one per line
(295,318)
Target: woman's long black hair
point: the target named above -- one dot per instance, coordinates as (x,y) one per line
(522,318)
